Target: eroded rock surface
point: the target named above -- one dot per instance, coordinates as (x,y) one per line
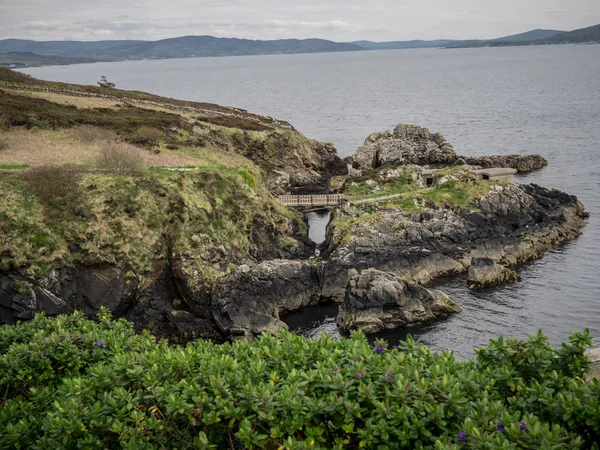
(510,225)
(376,301)
(409,144)
(252,298)
(487,272)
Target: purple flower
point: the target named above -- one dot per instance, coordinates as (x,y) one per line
(462,435)
(389,376)
(74,319)
(336,368)
(500,427)
(100,344)
(523,426)
(356,361)
(378,348)
(358,375)
(42,356)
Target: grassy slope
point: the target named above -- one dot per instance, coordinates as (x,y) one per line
(455,193)
(73,206)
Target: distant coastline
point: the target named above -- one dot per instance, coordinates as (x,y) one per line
(19,53)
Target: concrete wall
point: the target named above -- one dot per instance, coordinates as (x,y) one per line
(595,355)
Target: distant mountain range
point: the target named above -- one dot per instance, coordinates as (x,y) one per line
(23,53)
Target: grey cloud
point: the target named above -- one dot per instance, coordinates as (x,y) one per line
(340,20)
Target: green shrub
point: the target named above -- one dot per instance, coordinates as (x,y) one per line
(116,157)
(73,383)
(56,187)
(90,134)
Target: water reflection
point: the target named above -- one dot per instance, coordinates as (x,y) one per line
(317,224)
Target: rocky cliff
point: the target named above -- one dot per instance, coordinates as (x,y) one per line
(510,224)
(376,301)
(409,144)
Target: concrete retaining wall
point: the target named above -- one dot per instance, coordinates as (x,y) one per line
(595,355)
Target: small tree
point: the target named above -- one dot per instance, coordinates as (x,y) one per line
(104,83)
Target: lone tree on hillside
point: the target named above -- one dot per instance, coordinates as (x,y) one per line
(104,83)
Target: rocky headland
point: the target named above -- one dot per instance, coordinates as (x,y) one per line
(164,212)
(413,145)
(376,301)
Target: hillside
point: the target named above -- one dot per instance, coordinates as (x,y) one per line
(180,47)
(28,59)
(514,38)
(62,48)
(543,37)
(582,35)
(131,195)
(22,53)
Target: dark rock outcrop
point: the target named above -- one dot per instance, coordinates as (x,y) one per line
(250,300)
(376,301)
(155,306)
(487,272)
(409,144)
(511,225)
(522,163)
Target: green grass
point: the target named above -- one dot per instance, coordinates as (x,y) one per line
(128,219)
(399,185)
(9,166)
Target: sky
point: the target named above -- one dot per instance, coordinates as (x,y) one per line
(338,20)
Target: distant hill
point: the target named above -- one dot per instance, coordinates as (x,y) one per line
(582,35)
(63,48)
(28,59)
(543,37)
(22,53)
(180,47)
(396,45)
(514,38)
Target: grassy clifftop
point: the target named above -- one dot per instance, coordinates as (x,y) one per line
(91,175)
(162,124)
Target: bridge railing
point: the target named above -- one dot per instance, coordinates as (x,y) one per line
(312,200)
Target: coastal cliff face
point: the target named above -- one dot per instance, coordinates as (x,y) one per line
(409,144)
(163,211)
(376,301)
(142,204)
(510,224)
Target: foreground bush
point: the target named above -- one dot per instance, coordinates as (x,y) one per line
(73,383)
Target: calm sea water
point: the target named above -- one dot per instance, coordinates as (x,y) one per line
(485,101)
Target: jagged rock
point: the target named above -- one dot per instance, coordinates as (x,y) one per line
(513,224)
(522,163)
(278,182)
(373,185)
(377,300)
(251,300)
(407,145)
(410,144)
(487,272)
(309,183)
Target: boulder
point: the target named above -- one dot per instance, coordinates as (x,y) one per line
(487,272)
(522,163)
(373,185)
(410,144)
(250,301)
(377,300)
(278,182)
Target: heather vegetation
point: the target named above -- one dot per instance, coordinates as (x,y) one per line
(70,382)
(59,215)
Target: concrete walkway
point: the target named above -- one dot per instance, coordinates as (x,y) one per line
(375,199)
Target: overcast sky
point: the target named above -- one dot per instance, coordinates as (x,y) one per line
(340,20)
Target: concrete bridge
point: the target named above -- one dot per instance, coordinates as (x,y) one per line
(312,201)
